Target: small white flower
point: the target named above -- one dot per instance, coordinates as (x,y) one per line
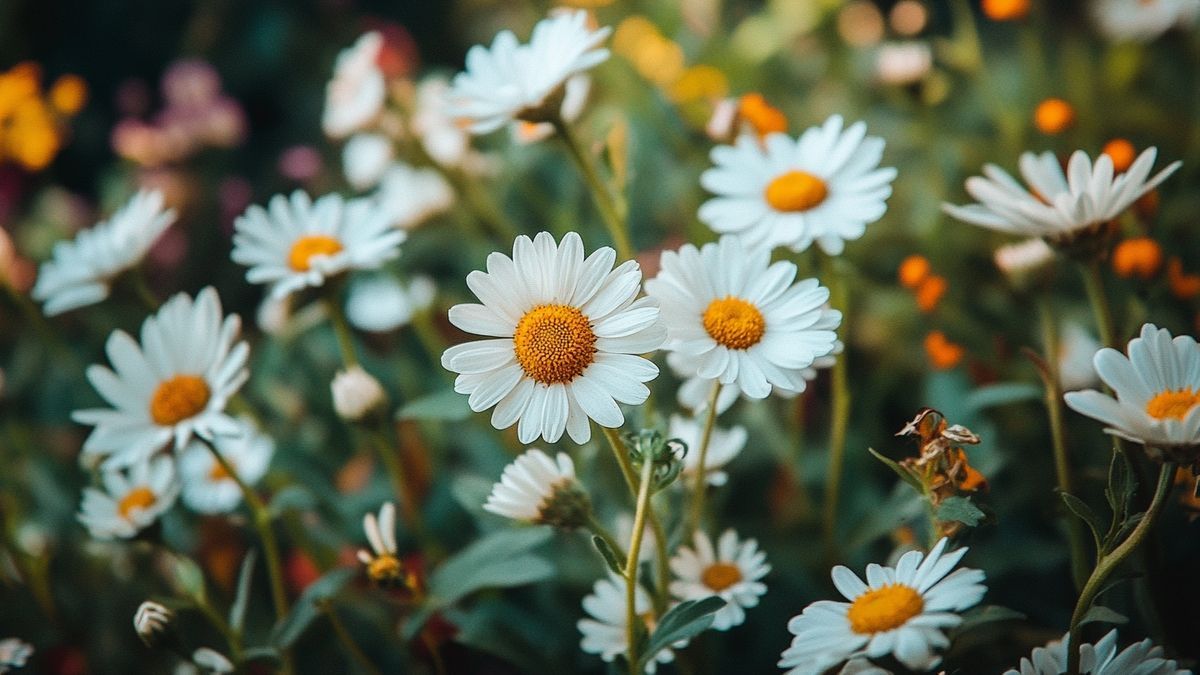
(824,186)
(382,561)
(740,319)
(131,500)
(1139,658)
(14,653)
(902,612)
(732,572)
(577,89)
(1076,349)
(365,158)
(151,619)
(174,384)
(212,661)
(723,446)
(297,243)
(273,315)
(410,195)
(537,489)
(1057,205)
(567,332)
(1024,261)
(902,63)
(356,393)
(380,303)
(1142,20)
(355,95)
(81,271)
(604,629)
(513,81)
(207,486)
(1157,389)
(443,139)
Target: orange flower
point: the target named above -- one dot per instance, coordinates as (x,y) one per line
(1006,10)
(930,293)
(762,116)
(943,354)
(69,94)
(913,270)
(1184,286)
(1053,116)
(1141,257)
(1121,152)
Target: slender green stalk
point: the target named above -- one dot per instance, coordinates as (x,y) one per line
(388,452)
(660,535)
(700,488)
(477,200)
(341,328)
(663,580)
(1093,281)
(1108,563)
(142,288)
(231,637)
(631,564)
(356,653)
(840,418)
(600,193)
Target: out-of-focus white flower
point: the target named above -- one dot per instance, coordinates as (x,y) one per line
(356,393)
(130,501)
(1076,349)
(380,303)
(355,95)
(365,158)
(441,136)
(207,486)
(732,571)
(382,560)
(14,653)
(577,89)
(409,195)
(723,446)
(212,661)
(1142,20)
(537,489)
(1025,260)
(1139,658)
(604,628)
(150,619)
(903,63)
(273,315)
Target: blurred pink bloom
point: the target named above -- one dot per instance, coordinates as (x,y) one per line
(300,163)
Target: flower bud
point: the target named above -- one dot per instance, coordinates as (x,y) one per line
(151,619)
(356,393)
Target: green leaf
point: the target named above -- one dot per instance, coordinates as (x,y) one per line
(960,509)
(308,608)
(447,406)
(682,622)
(1121,486)
(237,611)
(1098,614)
(189,579)
(900,471)
(609,555)
(1086,514)
(292,498)
(1003,393)
(985,614)
(263,653)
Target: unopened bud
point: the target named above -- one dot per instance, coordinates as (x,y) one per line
(356,393)
(151,619)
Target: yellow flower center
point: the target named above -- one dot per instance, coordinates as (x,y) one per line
(883,609)
(305,248)
(1174,404)
(554,343)
(719,576)
(796,191)
(137,498)
(385,570)
(734,323)
(177,399)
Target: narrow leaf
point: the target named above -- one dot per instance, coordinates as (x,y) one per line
(983,615)
(680,623)
(960,509)
(1098,614)
(609,555)
(1086,514)
(237,611)
(900,471)
(306,610)
(1004,393)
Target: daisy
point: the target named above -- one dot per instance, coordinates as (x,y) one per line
(901,611)
(171,386)
(131,500)
(512,81)
(574,98)
(537,489)
(824,186)
(81,272)
(355,96)
(380,303)
(1057,206)
(14,653)
(1139,658)
(740,319)
(207,486)
(1157,391)
(410,195)
(365,158)
(723,446)
(383,564)
(296,243)
(604,630)
(732,572)
(566,334)
(1142,20)
(443,139)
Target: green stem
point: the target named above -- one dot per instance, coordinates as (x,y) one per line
(600,193)
(1093,281)
(388,455)
(347,640)
(341,328)
(631,564)
(660,535)
(231,637)
(840,418)
(428,336)
(477,200)
(700,489)
(1107,564)
(142,288)
(663,582)
(622,457)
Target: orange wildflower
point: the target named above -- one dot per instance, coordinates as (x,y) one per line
(762,116)
(1053,116)
(1121,152)
(1184,286)
(1141,257)
(69,94)
(1005,10)
(943,354)
(930,293)
(913,270)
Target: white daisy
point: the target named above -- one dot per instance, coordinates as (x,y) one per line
(296,243)
(1025,261)
(903,63)
(513,81)
(574,98)
(1139,658)
(824,186)
(380,303)
(740,319)
(442,137)
(365,158)
(901,611)
(1157,391)
(131,500)
(723,446)
(207,486)
(356,94)
(175,383)
(1142,20)
(604,631)
(80,272)
(410,195)
(733,572)
(566,334)
(382,560)
(14,653)
(537,489)
(1057,206)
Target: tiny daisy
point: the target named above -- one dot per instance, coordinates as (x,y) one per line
(1139,658)
(604,631)
(901,611)
(207,486)
(1142,20)
(380,303)
(296,243)
(131,500)
(174,384)
(355,96)
(537,489)
(365,158)
(1057,206)
(574,99)
(513,81)
(14,653)
(723,446)
(824,186)
(733,572)
(382,561)
(1157,391)
(410,196)
(566,334)
(81,271)
(740,319)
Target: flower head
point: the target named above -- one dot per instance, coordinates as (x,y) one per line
(356,393)
(151,619)
(1142,20)
(575,96)
(131,499)
(538,489)
(604,628)
(207,485)
(383,563)
(410,195)
(732,571)
(380,303)
(14,653)
(723,446)
(355,95)
(1102,658)
(365,158)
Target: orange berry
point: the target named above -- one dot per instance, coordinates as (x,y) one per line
(1121,152)
(930,293)
(1053,116)
(943,354)
(1005,10)
(1141,257)
(913,270)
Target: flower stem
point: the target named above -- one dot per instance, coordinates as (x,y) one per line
(388,456)
(660,535)
(631,564)
(341,329)
(1108,563)
(347,640)
(605,202)
(700,489)
(622,457)
(1093,281)
(840,409)
(142,288)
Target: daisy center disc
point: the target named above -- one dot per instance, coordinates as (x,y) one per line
(137,498)
(719,576)
(177,399)
(308,247)
(734,323)
(385,569)
(554,343)
(796,191)
(883,609)
(1173,404)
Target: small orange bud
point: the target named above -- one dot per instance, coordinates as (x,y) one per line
(1183,286)
(930,293)
(1005,10)
(943,354)
(913,270)
(1139,257)
(762,116)
(1121,152)
(1053,116)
